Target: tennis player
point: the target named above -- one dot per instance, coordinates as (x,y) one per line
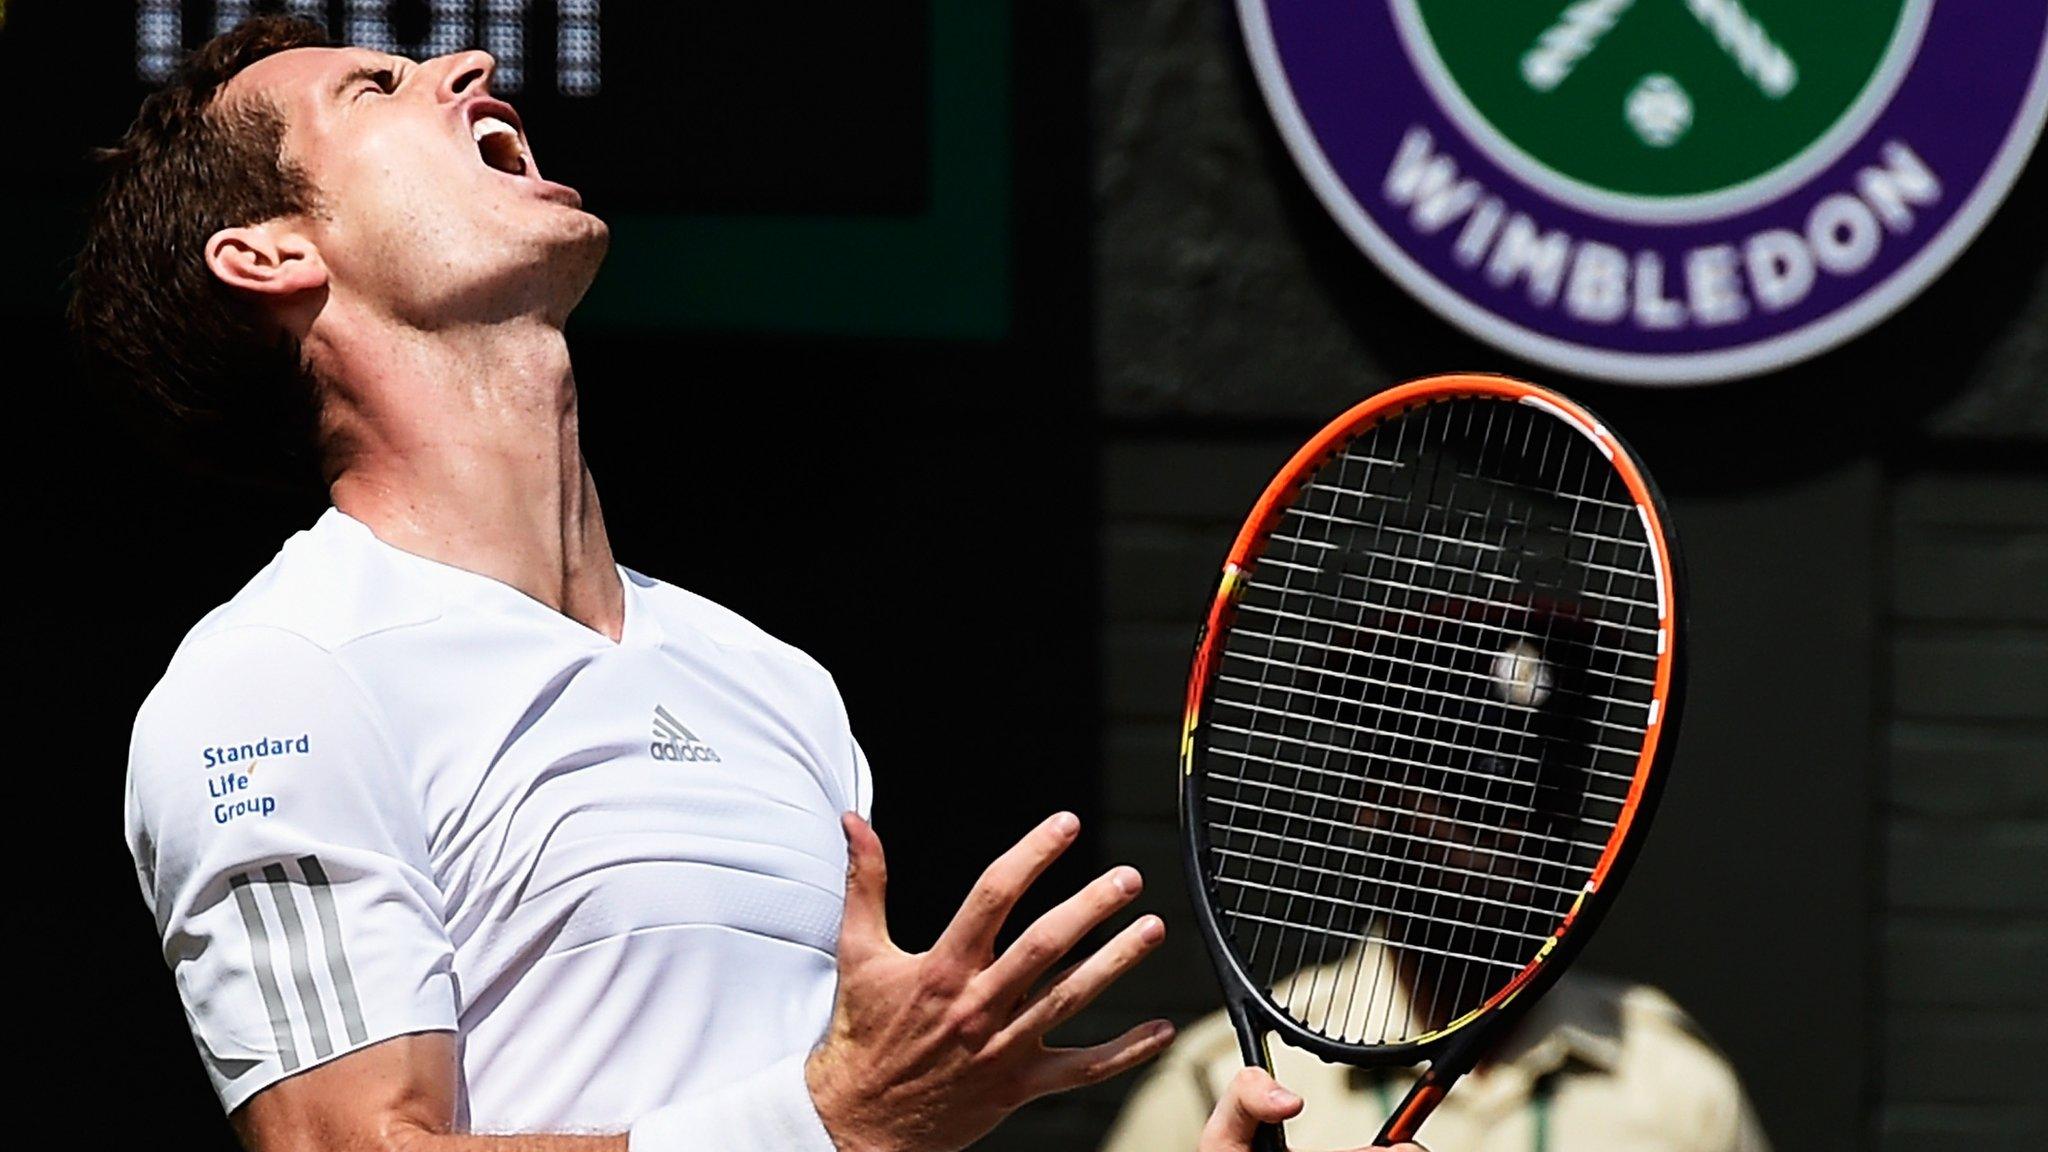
(459,835)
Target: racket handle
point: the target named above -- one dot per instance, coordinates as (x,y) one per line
(1266,1137)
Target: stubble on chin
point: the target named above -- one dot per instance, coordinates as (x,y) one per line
(573,263)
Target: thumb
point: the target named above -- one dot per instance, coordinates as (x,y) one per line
(1254,1098)
(865,926)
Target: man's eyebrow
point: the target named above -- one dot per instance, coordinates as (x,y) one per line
(360,73)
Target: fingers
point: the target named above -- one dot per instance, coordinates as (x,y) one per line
(1078,986)
(1054,934)
(1254,1098)
(1067,1068)
(972,934)
(865,926)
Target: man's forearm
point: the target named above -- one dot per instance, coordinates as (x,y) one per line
(400,1095)
(469,1142)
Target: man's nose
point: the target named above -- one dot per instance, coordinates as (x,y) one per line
(465,74)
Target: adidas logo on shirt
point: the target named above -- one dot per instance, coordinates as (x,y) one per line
(672,741)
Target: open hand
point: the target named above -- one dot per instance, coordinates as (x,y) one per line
(928,1051)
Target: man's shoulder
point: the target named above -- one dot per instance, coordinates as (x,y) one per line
(1650,1049)
(281,636)
(1627,1009)
(329,585)
(678,608)
(1655,1030)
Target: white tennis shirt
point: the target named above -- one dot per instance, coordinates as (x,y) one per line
(376,795)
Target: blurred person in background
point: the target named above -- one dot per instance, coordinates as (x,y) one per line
(1597,1065)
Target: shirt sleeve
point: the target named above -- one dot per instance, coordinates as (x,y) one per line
(770,1111)
(863,783)
(279,845)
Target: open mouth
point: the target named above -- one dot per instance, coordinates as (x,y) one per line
(498,143)
(502,146)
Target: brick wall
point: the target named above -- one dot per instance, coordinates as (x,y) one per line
(1965,811)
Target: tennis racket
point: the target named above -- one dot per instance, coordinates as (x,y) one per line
(1427,723)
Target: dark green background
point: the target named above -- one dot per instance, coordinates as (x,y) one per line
(1737,132)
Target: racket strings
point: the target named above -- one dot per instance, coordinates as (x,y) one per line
(1426,716)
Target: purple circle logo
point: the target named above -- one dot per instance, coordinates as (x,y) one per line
(1657,191)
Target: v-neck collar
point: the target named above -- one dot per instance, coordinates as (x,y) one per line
(635,627)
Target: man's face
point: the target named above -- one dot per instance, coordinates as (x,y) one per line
(431,205)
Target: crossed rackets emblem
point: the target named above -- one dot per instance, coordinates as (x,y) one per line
(1658,108)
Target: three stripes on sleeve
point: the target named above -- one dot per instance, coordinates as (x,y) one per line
(295,908)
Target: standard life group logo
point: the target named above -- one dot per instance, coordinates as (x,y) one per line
(1657,191)
(231,774)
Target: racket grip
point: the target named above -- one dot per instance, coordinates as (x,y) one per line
(1266,1137)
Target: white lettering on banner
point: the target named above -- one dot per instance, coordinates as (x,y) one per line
(1902,178)
(1780,268)
(1654,310)
(1844,234)
(451,27)
(1479,232)
(1521,252)
(1713,285)
(1428,183)
(1598,292)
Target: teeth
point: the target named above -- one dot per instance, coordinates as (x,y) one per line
(498,143)
(491,126)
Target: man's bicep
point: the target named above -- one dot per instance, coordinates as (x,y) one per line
(369,1099)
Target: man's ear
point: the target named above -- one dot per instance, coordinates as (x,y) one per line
(271,259)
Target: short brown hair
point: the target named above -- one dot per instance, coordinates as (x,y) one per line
(231,392)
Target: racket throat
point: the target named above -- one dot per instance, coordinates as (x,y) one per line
(1436,1080)
(1415,1107)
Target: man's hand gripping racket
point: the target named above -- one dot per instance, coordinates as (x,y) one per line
(1427,723)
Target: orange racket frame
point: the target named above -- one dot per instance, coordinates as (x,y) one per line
(1454,1048)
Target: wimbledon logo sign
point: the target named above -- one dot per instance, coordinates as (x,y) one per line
(1657,191)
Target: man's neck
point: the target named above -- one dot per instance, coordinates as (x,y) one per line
(463,448)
